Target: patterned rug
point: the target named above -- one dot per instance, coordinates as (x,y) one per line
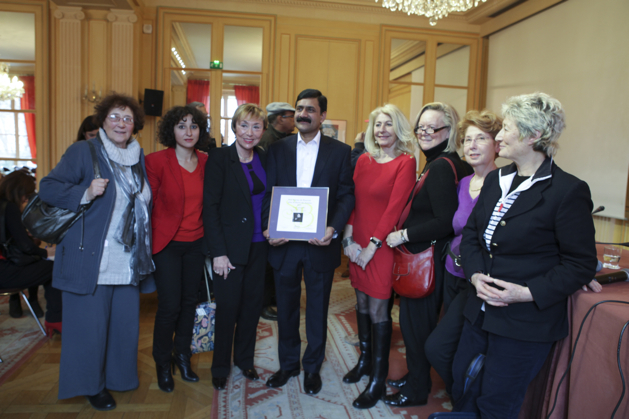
(252,399)
(19,338)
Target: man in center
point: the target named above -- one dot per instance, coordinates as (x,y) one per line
(307,159)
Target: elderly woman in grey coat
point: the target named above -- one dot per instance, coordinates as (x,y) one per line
(103,258)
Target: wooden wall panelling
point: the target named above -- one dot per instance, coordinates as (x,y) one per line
(146,75)
(369,88)
(67,99)
(122,50)
(330,65)
(282,84)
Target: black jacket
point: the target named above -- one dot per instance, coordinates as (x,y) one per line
(228,218)
(332,169)
(545,242)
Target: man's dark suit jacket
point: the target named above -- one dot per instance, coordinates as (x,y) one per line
(544,242)
(333,170)
(227,209)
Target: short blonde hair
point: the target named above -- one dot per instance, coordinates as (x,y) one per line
(486,121)
(450,118)
(248,109)
(537,113)
(405,143)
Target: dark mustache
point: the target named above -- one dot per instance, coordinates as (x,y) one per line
(303,119)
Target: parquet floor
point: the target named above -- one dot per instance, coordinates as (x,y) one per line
(31,392)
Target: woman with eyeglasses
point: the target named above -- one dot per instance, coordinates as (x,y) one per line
(235,184)
(105,258)
(176,177)
(527,246)
(430,219)
(476,134)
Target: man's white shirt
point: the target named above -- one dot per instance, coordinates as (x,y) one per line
(306,159)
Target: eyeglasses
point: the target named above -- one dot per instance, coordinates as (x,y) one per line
(479,140)
(287,116)
(428,130)
(114,117)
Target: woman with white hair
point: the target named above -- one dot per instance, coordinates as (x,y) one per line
(383,176)
(429,220)
(527,246)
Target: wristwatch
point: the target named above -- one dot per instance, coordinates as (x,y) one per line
(377,242)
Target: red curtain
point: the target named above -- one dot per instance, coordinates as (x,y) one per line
(247,94)
(199,91)
(28,102)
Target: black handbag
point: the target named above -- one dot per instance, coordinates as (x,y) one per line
(50,223)
(10,251)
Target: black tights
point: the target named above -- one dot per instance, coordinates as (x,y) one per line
(377,309)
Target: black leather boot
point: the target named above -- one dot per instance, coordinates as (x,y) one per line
(15,306)
(363,367)
(183,362)
(164,377)
(376,389)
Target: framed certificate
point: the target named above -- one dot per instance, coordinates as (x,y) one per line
(298,213)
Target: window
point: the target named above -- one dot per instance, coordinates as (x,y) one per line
(15,150)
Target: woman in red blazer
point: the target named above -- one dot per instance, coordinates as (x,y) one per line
(176,177)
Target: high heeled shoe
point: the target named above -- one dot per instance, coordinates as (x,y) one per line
(183,362)
(51,328)
(15,306)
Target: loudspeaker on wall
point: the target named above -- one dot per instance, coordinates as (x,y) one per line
(153,100)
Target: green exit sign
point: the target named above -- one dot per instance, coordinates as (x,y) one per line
(216,65)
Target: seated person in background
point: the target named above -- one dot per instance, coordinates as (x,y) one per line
(532,229)
(15,189)
(88,129)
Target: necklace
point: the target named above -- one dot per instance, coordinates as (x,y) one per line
(474,190)
(245,160)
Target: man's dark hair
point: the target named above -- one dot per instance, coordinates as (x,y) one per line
(314,94)
(166,129)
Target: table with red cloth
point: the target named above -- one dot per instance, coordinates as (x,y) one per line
(592,387)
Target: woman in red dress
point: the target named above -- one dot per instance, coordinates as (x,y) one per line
(383,177)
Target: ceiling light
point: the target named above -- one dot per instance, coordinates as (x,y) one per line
(432,9)
(10,88)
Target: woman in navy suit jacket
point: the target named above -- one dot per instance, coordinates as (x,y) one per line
(176,176)
(527,246)
(235,183)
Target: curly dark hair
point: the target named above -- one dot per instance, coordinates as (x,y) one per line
(166,129)
(115,100)
(17,185)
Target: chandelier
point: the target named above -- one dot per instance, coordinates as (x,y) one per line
(432,9)
(9,88)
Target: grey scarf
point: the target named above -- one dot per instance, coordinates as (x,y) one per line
(134,228)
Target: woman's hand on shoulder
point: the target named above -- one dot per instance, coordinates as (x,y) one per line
(96,188)
(222,266)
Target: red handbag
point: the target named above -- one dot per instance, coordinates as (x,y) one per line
(414,273)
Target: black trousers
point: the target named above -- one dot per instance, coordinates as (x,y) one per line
(38,273)
(238,306)
(418,318)
(178,274)
(288,289)
(269,287)
(510,365)
(444,340)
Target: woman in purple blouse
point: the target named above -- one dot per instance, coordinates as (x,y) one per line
(235,183)
(476,132)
